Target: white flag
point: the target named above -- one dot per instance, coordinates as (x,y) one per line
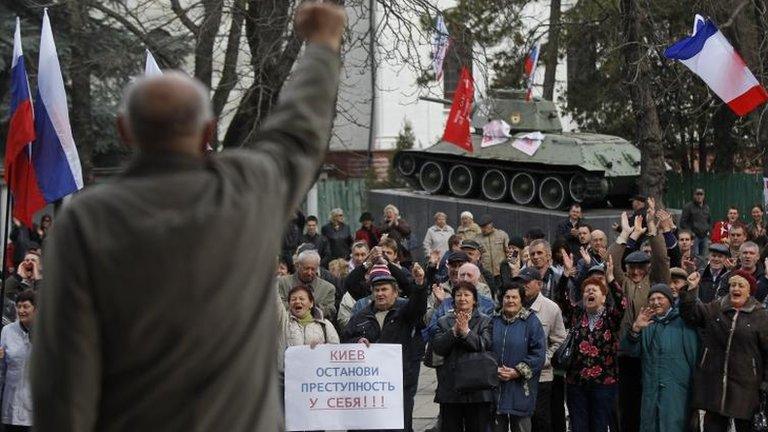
(495,132)
(151,68)
(440,46)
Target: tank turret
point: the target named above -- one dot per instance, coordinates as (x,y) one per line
(566,167)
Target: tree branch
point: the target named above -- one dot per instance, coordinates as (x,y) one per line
(182,14)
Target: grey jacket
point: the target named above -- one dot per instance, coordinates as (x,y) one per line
(159,307)
(551,318)
(323,291)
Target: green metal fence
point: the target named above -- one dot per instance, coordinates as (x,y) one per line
(722,191)
(348,195)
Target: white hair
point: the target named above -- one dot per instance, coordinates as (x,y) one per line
(307,255)
(393,208)
(466,214)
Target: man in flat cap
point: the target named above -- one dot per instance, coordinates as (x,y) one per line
(494,243)
(159,297)
(714,273)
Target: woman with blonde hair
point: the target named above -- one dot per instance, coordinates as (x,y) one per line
(398,230)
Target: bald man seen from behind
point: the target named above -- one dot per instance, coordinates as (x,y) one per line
(158,310)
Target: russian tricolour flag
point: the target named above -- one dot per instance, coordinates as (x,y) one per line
(54,153)
(19,171)
(530,70)
(710,56)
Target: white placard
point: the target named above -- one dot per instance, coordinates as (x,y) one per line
(529,143)
(345,386)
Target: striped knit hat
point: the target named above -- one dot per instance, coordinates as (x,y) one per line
(380,274)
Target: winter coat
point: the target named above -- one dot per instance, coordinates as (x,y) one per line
(452,348)
(14,376)
(709,285)
(734,360)
(323,291)
(370,236)
(520,344)
(401,233)
(339,240)
(494,249)
(400,324)
(292,333)
(696,219)
(668,349)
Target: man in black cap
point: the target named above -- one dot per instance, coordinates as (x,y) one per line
(696,219)
(551,318)
(641,272)
(494,243)
(714,272)
(475,252)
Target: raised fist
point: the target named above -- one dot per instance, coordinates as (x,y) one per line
(321,23)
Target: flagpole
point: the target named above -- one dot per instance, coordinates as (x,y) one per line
(5,244)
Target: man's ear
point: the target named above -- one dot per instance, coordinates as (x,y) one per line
(124,131)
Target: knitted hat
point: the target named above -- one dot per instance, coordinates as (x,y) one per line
(662,289)
(748,276)
(380,274)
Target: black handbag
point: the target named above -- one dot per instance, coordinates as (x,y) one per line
(476,371)
(564,354)
(432,359)
(760,420)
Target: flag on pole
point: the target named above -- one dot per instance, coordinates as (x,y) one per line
(710,56)
(19,172)
(55,157)
(457,129)
(150,67)
(530,69)
(440,45)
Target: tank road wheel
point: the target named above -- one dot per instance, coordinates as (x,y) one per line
(432,177)
(494,185)
(523,188)
(577,187)
(461,181)
(406,165)
(552,193)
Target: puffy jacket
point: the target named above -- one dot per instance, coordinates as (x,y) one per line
(520,344)
(452,348)
(734,360)
(669,349)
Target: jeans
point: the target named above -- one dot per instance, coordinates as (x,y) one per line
(542,416)
(510,423)
(590,406)
(701,246)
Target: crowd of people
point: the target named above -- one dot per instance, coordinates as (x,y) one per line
(663,329)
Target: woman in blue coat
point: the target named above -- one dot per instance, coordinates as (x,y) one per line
(669,349)
(520,346)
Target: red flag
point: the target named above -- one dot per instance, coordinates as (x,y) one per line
(457,129)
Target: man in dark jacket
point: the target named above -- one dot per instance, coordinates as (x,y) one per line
(338,235)
(312,236)
(159,302)
(696,219)
(568,228)
(749,253)
(712,274)
(386,320)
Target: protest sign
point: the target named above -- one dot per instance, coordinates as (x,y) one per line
(347,386)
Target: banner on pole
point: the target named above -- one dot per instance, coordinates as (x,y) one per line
(347,386)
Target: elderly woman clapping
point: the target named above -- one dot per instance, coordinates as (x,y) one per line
(520,345)
(732,368)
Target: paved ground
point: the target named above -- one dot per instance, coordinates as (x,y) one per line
(425,410)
